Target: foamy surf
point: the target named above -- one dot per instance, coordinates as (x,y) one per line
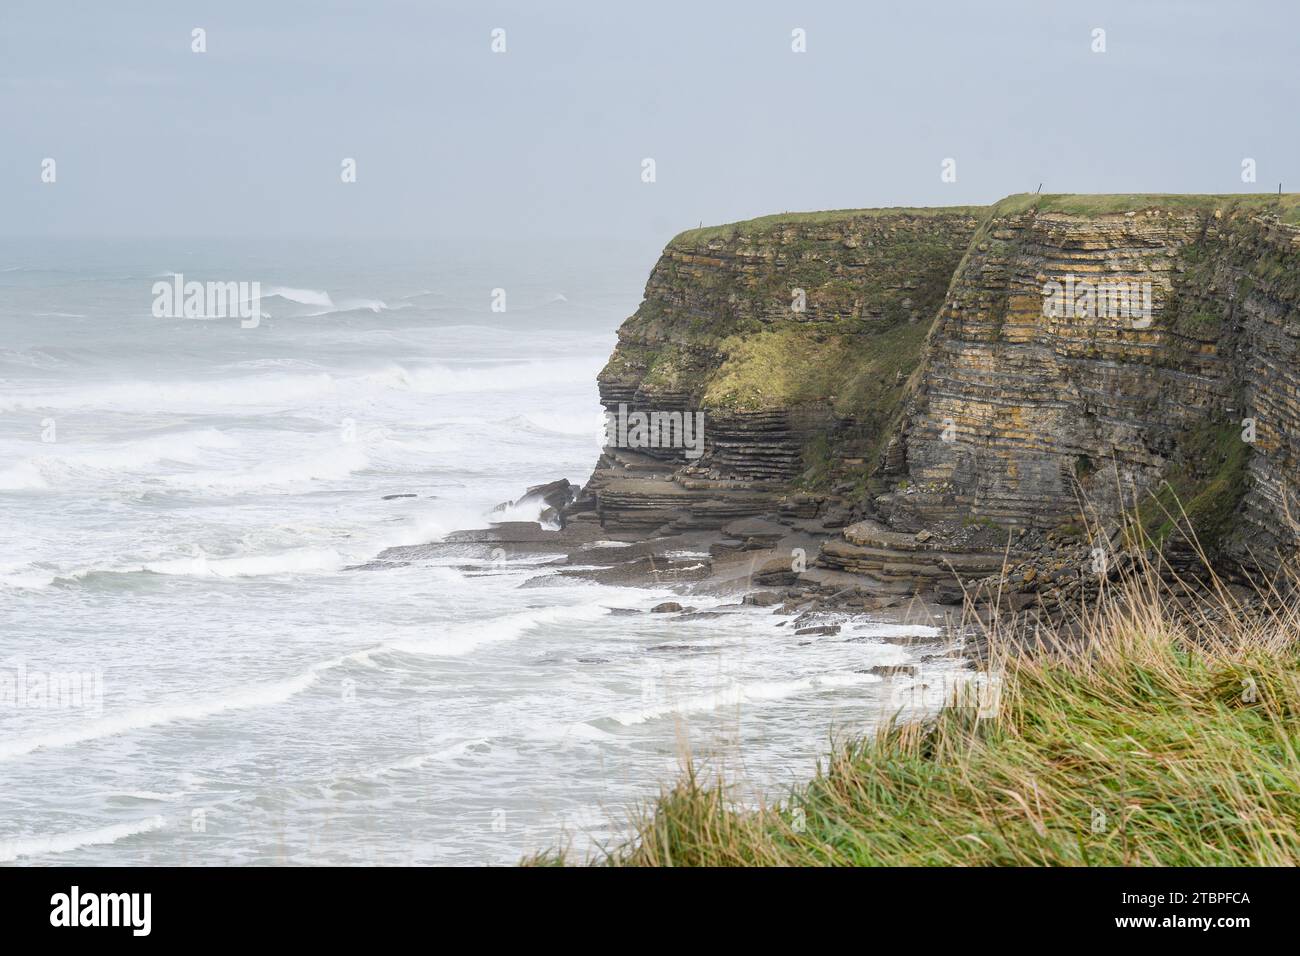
(464,639)
(420,761)
(158,715)
(264,390)
(875,629)
(334,465)
(59,463)
(489,697)
(277,390)
(737,694)
(28,581)
(514,376)
(301,561)
(43,845)
(151,796)
(24,476)
(317,297)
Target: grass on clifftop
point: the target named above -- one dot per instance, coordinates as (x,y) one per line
(1163,741)
(1286,205)
(765,224)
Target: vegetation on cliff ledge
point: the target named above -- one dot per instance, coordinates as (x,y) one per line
(1165,738)
(857,375)
(1200,494)
(719,324)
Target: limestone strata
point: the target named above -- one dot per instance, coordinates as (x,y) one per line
(1021,417)
(925,402)
(787,333)
(907,561)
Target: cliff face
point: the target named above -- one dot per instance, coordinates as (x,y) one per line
(929,384)
(1025,413)
(795,335)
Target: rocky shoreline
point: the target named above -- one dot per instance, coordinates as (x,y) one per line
(896,407)
(750,564)
(896,415)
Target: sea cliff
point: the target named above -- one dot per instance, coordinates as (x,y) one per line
(938,394)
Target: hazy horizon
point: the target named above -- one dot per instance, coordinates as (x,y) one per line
(547,139)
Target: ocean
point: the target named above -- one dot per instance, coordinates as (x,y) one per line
(192,669)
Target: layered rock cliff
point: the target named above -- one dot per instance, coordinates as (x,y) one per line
(794,335)
(929,388)
(1032,416)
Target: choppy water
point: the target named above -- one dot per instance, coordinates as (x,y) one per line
(180,500)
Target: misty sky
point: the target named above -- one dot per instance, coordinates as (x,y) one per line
(547,139)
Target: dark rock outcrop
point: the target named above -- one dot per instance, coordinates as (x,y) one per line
(551,499)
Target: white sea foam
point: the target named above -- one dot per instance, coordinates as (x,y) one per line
(322,301)
(737,693)
(418,761)
(419,530)
(24,476)
(525,509)
(44,844)
(280,390)
(19,576)
(464,638)
(351,305)
(583,424)
(157,715)
(302,296)
(297,561)
(897,630)
(150,795)
(60,462)
(456,642)
(426,528)
(262,390)
(247,566)
(447,380)
(331,465)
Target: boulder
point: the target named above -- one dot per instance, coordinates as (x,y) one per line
(894,670)
(776,573)
(553,498)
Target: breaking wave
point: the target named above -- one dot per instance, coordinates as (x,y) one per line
(41,845)
(157,715)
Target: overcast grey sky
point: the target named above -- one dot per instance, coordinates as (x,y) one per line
(547,139)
